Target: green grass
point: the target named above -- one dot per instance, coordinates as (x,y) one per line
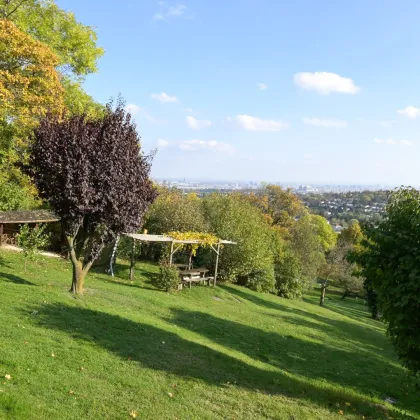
(204,353)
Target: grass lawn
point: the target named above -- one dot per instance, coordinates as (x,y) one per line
(204,353)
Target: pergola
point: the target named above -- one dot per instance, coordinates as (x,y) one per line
(175,244)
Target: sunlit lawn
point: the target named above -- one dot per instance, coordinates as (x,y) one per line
(204,353)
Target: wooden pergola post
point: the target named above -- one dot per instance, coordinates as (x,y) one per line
(1,233)
(172,253)
(133,259)
(217,263)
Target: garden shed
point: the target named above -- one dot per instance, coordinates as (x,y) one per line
(10,221)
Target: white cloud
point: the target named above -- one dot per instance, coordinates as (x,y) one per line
(250,123)
(162,143)
(133,109)
(164,97)
(262,86)
(171,11)
(177,10)
(316,122)
(410,112)
(307,156)
(190,145)
(190,110)
(325,83)
(393,142)
(197,124)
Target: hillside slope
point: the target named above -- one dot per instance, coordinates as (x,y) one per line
(204,353)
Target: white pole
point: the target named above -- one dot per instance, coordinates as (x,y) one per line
(217,264)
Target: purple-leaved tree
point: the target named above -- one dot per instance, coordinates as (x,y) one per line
(95,177)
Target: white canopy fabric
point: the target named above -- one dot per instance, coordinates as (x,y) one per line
(145,237)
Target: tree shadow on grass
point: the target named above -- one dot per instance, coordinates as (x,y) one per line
(121,277)
(248,296)
(356,369)
(11,278)
(162,350)
(244,295)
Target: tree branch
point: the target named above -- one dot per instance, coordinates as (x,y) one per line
(7,15)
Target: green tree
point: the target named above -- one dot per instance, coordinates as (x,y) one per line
(326,235)
(73,42)
(307,246)
(280,205)
(250,262)
(288,269)
(353,234)
(174,211)
(390,263)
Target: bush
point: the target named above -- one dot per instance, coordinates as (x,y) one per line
(168,277)
(289,283)
(261,280)
(31,240)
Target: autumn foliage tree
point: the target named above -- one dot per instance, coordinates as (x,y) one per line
(29,84)
(29,88)
(95,177)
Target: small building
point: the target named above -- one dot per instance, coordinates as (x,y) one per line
(11,221)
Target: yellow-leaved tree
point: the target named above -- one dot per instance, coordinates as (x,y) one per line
(29,83)
(30,88)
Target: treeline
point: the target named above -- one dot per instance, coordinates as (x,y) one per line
(281,247)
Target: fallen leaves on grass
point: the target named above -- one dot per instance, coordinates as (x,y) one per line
(133,414)
(8,377)
(170,394)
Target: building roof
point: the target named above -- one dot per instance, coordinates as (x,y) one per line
(145,237)
(28,216)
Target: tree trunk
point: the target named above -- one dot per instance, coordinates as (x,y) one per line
(78,279)
(323,290)
(346,293)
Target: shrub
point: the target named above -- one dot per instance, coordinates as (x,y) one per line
(261,280)
(168,277)
(31,240)
(289,283)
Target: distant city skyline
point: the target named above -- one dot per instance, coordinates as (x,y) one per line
(299,91)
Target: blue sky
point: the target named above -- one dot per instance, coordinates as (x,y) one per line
(269,90)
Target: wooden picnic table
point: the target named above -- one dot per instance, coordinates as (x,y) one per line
(195,275)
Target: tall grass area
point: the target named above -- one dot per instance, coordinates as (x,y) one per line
(126,349)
